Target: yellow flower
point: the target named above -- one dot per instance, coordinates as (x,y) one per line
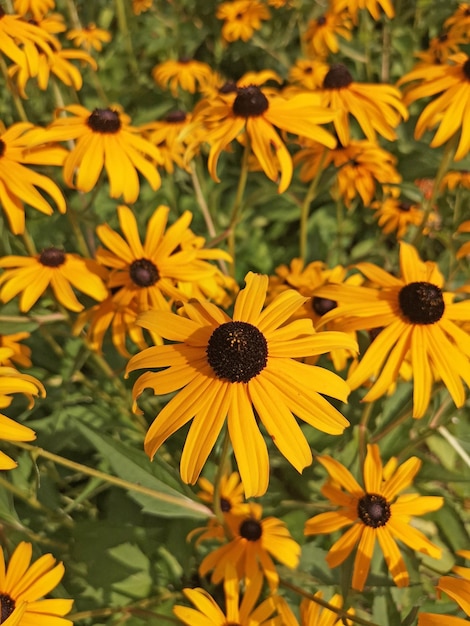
(165,134)
(89,37)
(312,614)
(244,613)
(31,276)
(104,138)
(253,542)
(375,513)
(16,32)
(459,590)
(147,273)
(226,366)
(440,49)
(12,431)
(257,113)
(12,350)
(22,581)
(459,22)
(377,108)
(417,318)
(19,184)
(322,33)
(241,18)
(188,74)
(395,214)
(37,8)
(450,82)
(230,492)
(464,249)
(141,6)
(308,73)
(457,178)
(373,6)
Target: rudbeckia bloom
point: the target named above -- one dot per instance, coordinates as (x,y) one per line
(448,111)
(22,581)
(89,37)
(16,32)
(464,249)
(322,33)
(37,8)
(245,613)
(375,513)
(188,74)
(230,493)
(31,276)
(18,184)
(104,138)
(141,6)
(395,214)
(373,6)
(226,366)
(253,543)
(377,108)
(12,431)
(147,273)
(255,111)
(308,73)
(417,318)
(312,614)
(459,590)
(241,18)
(16,352)
(456,178)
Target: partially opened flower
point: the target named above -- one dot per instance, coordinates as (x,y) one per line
(226,367)
(16,352)
(60,270)
(417,320)
(185,73)
(312,613)
(241,18)
(242,613)
(397,215)
(251,545)
(19,184)
(322,33)
(231,492)
(21,581)
(459,590)
(104,138)
(373,6)
(89,37)
(377,108)
(374,512)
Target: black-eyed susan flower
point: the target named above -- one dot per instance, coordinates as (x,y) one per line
(184,73)
(242,612)
(322,33)
(54,268)
(373,6)
(459,590)
(231,492)
(11,350)
(458,24)
(464,249)
(397,215)
(104,138)
(89,37)
(450,83)
(374,512)
(377,108)
(15,32)
(148,273)
(418,319)
(440,49)
(312,614)
(21,581)
(18,183)
(241,18)
(254,113)
(308,73)
(225,367)
(36,8)
(12,431)
(165,134)
(141,6)
(252,544)
(456,178)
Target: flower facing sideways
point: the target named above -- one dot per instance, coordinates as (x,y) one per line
(225,367)
(375,513)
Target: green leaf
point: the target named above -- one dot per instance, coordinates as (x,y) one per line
(133,466)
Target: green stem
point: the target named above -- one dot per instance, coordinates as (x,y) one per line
(13,91)
(126,35)
(238,203)
(305,209)
(221,471)
(365,417)
(112,480)
(29,243)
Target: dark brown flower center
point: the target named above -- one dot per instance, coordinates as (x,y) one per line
(405,207)
(2,13)
(373,510)
(250,102)
(466,69)
(237,351)
(175,117)
(52,257)
(321,21)
(421,303)
(251,529)
(323,305)
(2,147)
(229,87)
(7,605)
(104,121)
(338,76)
(225,505)
(144,273)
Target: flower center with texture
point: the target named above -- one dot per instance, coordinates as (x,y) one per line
(421,303)
(466,69)
(237,351)
(104,121)
(229,87)
(373,510)
(225,505)
(250,102)
(323,305)
(7,606)
(2,147)
(175,117)
(405,207)
(52,257)
(251,530)
(338,76)
(143,273)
